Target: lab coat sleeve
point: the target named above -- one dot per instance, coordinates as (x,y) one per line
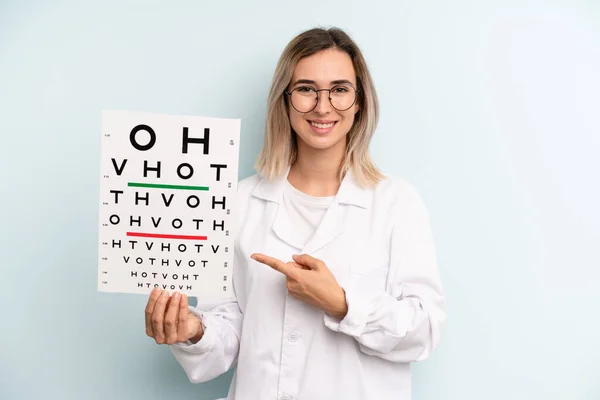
(218,349)
(404,322)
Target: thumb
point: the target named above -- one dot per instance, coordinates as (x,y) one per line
(299,266)
(308,261)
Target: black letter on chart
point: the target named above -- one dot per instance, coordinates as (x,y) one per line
(138,146)
(221,225)
(167,203)
(204,141)
(218,167)
(118,170)
(196,201)
(191,171)
(117,193)
(147,168)
(215,202)
(139,198)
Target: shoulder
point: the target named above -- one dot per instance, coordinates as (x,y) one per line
(247,185)
(399,196)
(247,188)
(397,185)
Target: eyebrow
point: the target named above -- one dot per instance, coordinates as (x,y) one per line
(311,82)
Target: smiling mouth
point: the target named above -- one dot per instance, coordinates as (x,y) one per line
(322,126)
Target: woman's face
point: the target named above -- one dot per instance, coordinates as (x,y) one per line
(324,127)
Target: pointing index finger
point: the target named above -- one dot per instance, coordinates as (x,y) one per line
(274,263)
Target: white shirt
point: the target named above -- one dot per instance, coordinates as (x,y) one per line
(378,244)
(304,211)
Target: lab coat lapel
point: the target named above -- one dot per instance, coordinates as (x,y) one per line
(331,226)
(335,219)
(333,223)
(284,228)
(272,191)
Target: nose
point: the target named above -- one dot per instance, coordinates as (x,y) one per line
(323,105)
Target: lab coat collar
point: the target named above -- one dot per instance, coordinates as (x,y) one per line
(350,192)
(333,223)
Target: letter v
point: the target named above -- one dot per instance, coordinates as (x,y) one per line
(118,170)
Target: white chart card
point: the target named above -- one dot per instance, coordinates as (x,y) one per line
(168,187)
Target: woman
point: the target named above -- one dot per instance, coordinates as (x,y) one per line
(335,276)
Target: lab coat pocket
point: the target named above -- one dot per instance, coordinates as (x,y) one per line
(370,273)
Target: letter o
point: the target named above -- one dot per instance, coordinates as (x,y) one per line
(190,172)
(133,141)
(195,198)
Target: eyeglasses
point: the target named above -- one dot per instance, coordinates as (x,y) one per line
(304,99)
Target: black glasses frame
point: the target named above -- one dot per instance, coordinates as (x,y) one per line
(356,91)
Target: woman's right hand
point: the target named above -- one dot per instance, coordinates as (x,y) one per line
(168,319)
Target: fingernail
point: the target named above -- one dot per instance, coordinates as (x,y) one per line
(176,296)
(165,293)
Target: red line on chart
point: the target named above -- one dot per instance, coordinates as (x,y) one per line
(163,236)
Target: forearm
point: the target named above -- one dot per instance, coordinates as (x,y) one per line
(337,306)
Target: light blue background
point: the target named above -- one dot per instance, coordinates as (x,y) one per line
(490,108)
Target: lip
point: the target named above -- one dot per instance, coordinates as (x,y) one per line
(321,131)
(321,121)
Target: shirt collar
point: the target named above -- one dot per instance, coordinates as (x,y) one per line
(350,192)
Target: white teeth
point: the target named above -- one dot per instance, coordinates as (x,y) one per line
(322,126)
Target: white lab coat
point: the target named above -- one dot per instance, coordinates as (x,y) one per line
(378,244)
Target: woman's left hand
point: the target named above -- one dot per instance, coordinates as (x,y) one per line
(310,280)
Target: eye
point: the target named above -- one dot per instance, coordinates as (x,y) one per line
(340,89)
(304,89)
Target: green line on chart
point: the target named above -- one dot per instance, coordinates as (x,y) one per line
(163,186)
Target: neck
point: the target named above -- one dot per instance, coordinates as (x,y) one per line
(316,172)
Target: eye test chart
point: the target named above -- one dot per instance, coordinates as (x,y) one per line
(168,187)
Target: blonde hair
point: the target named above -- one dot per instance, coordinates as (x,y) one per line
(280,149)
